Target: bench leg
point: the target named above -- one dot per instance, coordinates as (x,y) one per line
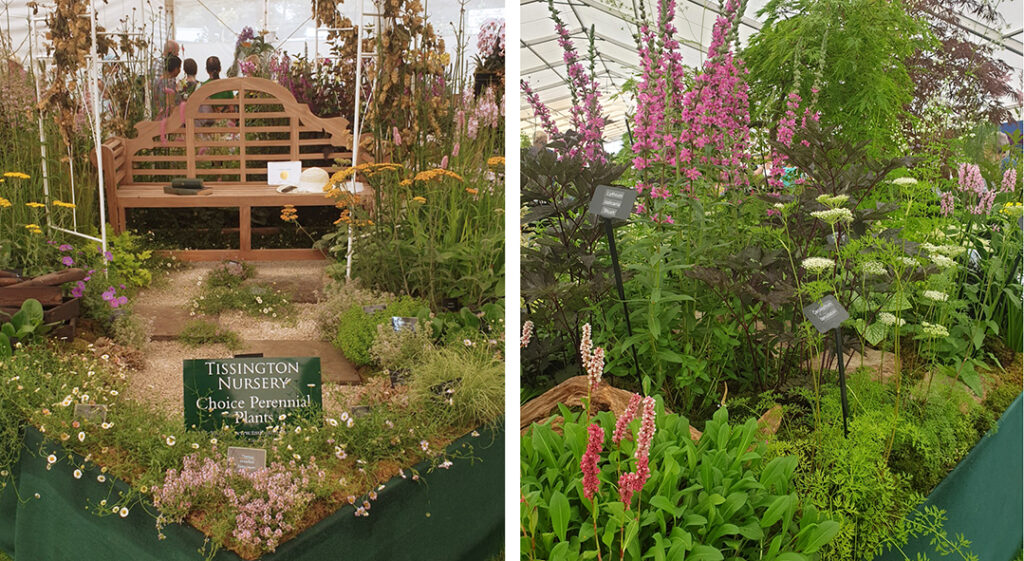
(245,231)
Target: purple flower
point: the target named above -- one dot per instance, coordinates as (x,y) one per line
(65,247)
(109,256)
(108,294)
(78,290)
(67,261)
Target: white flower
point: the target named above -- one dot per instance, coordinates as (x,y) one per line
(350,423)
(171,440)
(332,422)
(468,342)
(909,261)
(389,424)
(935,295)
(259,300)
(474,433)
(888,319)
(834,215)
(445,464)
(340,453)
(833,202)
(195,445)
(124,512)
(101,478)
(114,393)
(904,181)
(873,268)
(344,416)
(424,445)
(85,397)
(934,330)
(67,401)
(817,264)
(105,425)
(779,206)
(77,474)
(942,261)
(81,437)
(51,459)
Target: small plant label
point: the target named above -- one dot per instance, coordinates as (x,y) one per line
(399,324)
(250,394)
(370,310)
(826,314)
(612,202)
(247,459)
(91,413)
(283,173)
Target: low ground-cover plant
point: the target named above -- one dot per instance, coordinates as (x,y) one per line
(357,329)
(202,332)
(230,287)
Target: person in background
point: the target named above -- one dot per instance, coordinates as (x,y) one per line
(190,83)
(165,89)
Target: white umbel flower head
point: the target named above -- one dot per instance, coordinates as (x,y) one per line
(831,201)
(817,265)
(888,319)
(834,215)
(876,268)
(935,295)
(934,330)
(904,181)
(942,261)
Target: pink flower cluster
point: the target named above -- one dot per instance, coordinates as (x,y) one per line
(264,502)
(592,360)
(540,110)
(704,131)
(633,482)
(972,191)
(585,114)
(491,41)
(588,464)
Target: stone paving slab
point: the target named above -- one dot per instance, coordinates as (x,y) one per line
(334,367)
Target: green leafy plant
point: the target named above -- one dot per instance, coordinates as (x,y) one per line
(230,287)
(358,329)
(718,498)
(25,325)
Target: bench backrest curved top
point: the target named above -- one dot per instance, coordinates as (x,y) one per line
(227,132)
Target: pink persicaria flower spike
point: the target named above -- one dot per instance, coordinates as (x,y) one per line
(595,368)
(622,424)
(588,464)
(631,483)
(527,333)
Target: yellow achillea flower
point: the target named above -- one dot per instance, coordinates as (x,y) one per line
(16,175)
(405,182)
(1012,209)
(438,174)
(496,162)
(4,203)
(35,205)
(366,169)
(289,214)
(472,191)
(63,204)
(420,200)
(345,217)
(31,226)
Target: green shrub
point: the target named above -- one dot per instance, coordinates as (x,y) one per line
(130,330)
(338,297)
(357,329)
(462,386)
(396,350)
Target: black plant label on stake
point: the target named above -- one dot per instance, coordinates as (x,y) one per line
(613,203)
(826,314)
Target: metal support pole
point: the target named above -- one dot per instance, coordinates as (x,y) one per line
(42,133)
(355,128)
(94,88)
(842,381)
(622,291)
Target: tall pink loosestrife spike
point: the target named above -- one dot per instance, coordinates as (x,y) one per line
(622,424)
(588,464)
(540,110)
(527,333)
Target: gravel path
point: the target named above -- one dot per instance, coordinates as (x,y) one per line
(159,382)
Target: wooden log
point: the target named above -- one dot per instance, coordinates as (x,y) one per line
(8,281)
(69,309)
(56,278)
(8,274)
(608,398)
(13,296)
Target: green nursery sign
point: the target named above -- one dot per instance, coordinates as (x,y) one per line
(250,393)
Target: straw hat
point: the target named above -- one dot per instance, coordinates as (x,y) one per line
(312,180)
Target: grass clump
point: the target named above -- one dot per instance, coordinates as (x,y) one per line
(463,386)
(201,332)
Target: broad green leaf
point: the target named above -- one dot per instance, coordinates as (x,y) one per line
(875,333)
(705,553)
(774,512)
(33,311)
(559,552)
(559,510)
(664,504)
(820,536)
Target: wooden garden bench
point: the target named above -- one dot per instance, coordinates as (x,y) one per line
(227,143)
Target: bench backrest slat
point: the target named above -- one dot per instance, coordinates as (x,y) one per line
(230,141)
